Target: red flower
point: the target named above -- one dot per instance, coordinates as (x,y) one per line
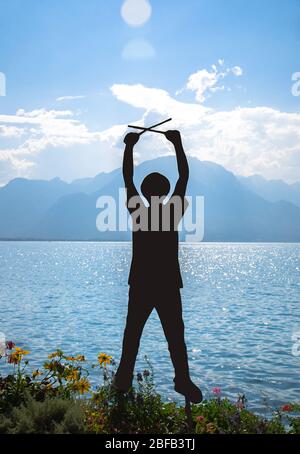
(199,418)
(10,345)
(216,390)
(287,407)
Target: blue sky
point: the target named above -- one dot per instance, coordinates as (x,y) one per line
(54,49)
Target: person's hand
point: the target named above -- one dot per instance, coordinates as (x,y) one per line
(131,139)
(173,136)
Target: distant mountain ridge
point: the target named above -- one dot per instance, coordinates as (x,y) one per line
(272,190)
(234,211)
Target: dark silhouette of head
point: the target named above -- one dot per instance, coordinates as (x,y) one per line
(155,185)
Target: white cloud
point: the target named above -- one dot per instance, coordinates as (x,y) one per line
(159,101)
(69,98)
(11,131)
(244,140)
(203,81)
(237,71)
(48,129)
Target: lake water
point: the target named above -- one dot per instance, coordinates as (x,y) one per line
(241,309)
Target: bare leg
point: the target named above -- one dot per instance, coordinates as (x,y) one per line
(139,309)
(170,314)
(169,309)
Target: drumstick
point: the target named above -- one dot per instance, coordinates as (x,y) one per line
(147,129)
(150,129)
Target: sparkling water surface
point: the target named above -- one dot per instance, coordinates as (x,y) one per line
(241,308)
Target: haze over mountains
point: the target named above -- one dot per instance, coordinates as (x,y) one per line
(236,208)
(273,190)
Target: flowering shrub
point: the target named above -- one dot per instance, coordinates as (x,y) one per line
(47,401)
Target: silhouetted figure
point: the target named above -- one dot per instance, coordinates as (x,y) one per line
(155,278)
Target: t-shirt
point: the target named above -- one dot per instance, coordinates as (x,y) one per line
(155,244)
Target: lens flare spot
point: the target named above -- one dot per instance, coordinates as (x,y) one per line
(136,12)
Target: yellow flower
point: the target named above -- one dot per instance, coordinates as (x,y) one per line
(36,373)
(104,359)
(71,358)
(75,358)
(80,358)
(16,356)
(22,352)
(82,386)
(49,366)
(210,428)
(56,354)
(72,375)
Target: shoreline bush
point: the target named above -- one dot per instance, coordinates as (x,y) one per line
(58,399)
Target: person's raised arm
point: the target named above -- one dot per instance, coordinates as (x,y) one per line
(183,167)
(128,166)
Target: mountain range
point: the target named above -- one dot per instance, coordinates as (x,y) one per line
(273,190)
(236,208)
